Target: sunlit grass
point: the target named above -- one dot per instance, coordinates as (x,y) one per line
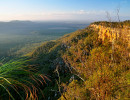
(18,81)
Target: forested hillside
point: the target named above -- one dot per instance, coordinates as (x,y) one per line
(89,64)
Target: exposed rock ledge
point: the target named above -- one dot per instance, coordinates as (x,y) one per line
(113,33)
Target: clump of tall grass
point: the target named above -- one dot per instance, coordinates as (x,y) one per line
(20,82)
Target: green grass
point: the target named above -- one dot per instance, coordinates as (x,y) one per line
(18,80)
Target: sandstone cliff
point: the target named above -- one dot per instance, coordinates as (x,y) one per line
(113,33)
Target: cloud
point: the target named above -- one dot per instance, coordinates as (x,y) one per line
(76,15)
(80,12)
(58,15)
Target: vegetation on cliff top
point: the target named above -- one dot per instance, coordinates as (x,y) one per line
(113,24)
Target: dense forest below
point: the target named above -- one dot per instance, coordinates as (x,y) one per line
(88,64)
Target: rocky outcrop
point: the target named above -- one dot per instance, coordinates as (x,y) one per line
(112,33)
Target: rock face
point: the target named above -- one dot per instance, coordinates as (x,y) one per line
(113,33)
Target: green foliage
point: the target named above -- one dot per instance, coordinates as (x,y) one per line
(44,49)
(75,91)
(18,81)
(113,24)
(91,60)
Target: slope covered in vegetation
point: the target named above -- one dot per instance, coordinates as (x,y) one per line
(101,64)
(82,65)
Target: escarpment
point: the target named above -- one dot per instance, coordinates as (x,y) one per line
(113,33)
(98,57)
(83,65)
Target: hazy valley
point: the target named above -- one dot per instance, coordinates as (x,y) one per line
(17,37)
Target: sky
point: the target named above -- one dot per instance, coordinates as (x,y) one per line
(48,10)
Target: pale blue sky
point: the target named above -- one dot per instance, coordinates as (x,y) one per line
(62,9)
